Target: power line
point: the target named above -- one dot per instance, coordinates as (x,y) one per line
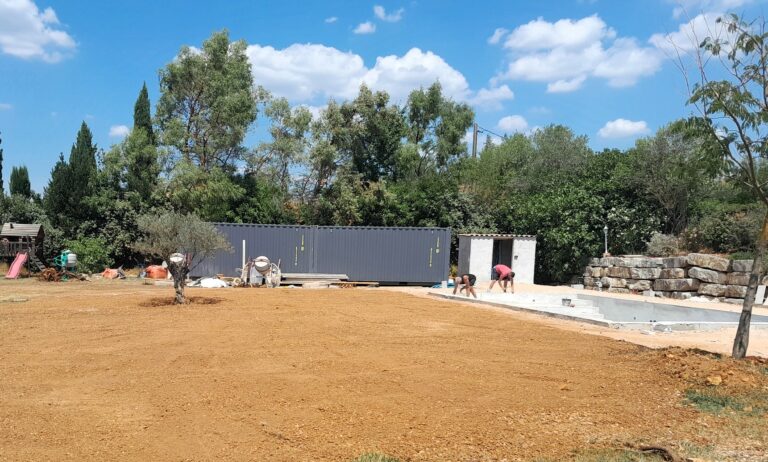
(478,129)
(485,130)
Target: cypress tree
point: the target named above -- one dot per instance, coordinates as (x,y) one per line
(142,118)
(82,165)
(72,183)
(57,194)
(19,183)
(141,164)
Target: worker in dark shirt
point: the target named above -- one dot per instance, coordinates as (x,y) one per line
(467,282)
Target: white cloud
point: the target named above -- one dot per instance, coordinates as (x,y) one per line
(626,62)
(565,86)
(380,13)
(6,106)
(567,52)
(467,139)
(331,20)
(365,28)
(491,98)
(312,73)
(566,33)
(498,34)
(303,72)
(513,124)
(623,128)
(28,33)
(556,64)
(316,111)
(690,34)
(687,7)
(399,75)
(119,131)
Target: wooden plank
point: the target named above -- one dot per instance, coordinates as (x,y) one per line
(314,276)
(308,281)
(350,284)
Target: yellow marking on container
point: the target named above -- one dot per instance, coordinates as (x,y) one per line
(437,250)
(430,257)
(296,256)
(302,242)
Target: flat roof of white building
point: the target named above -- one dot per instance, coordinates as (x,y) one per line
(497,236)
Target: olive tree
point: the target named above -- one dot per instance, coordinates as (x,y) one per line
(170,233)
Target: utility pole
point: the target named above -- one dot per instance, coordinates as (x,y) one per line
(474,140)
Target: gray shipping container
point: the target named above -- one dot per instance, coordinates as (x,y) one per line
(386,255)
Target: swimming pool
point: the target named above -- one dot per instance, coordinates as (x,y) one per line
(616,313)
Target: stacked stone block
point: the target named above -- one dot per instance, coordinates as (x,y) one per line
(695,276)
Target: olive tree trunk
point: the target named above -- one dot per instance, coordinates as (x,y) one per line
(179,273)
(741,342)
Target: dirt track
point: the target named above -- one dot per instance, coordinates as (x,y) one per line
(92,371)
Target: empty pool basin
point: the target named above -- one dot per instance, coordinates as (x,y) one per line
(617,313)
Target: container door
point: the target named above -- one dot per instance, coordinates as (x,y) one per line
(288,245)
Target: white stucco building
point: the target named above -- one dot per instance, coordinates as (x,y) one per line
(478,253)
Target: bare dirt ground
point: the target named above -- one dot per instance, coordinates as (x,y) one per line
(719,341)
(103,371)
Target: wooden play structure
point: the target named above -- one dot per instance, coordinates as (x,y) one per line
(24,243)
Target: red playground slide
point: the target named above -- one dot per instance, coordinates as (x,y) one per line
(18,263)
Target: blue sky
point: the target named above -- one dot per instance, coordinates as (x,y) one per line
(601,67)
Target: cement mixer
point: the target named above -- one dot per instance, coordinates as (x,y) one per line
(261,271)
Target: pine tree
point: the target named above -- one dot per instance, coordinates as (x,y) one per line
(142,118)
(19,183)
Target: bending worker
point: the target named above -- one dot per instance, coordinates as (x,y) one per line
(467,281)
(503,274)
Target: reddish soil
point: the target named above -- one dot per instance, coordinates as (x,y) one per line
(107,371)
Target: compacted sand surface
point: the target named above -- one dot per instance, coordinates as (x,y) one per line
(108,371)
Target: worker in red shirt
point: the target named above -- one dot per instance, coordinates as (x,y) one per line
(503,274)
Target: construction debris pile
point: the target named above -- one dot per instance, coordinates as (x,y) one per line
(54,275)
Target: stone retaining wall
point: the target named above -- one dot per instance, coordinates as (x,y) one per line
(695,276)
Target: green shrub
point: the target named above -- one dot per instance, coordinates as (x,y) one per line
(92,254)
(663,245)
(725,229)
